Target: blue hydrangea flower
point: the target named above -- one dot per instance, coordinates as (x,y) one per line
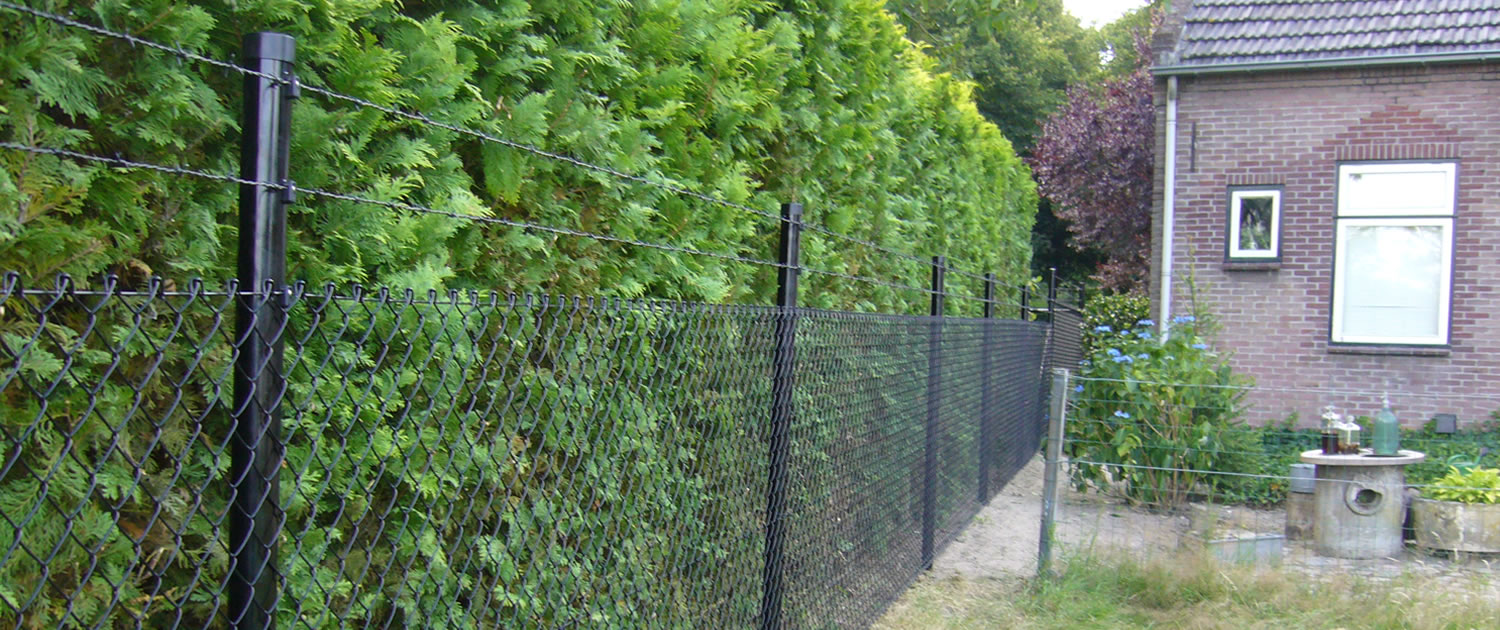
(1145,334)
(1146,322)
(1102,328)
(1200,346)
(1113,352)
(1078,389)
(1184,319)
(1124,358)
(1122,414)
(1142,356)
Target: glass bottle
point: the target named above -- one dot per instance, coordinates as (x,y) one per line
(1330,442)
(1385,435)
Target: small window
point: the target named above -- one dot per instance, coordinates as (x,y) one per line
(1254,232)
(1393,261)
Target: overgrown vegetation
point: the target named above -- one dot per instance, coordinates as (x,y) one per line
(1189,591)
(1152,413)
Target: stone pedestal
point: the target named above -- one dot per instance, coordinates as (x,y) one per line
(1358,503)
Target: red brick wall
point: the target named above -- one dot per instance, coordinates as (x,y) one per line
(1291,129)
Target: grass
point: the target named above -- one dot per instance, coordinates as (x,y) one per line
(1193,592)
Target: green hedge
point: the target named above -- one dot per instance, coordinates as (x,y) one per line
(824,103)
(755,103)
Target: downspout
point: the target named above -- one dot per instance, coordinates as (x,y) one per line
(1169,199)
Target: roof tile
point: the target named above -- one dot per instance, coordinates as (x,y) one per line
(1219,32)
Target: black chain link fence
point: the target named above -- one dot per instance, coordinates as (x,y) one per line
(455,460)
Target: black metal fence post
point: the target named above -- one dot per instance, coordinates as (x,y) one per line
(259,382)
(1025,302)
(986,397)
(934,402)
(779,438)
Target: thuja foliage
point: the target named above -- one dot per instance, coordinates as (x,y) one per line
(754,103)
(822,103)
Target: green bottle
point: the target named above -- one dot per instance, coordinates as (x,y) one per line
(1385,436)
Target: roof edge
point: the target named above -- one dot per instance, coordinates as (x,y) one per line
(1337,62)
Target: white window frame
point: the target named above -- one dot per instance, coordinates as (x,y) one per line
(1234,252)
(1438,213)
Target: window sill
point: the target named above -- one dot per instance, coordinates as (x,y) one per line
(1271,265)
(1397,351)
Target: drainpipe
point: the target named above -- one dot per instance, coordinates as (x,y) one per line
(1169,199)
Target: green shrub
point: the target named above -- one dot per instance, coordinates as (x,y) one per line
(1114,311)
(1475,485)
(1155,414)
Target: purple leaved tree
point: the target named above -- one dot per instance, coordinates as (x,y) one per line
(1094,163)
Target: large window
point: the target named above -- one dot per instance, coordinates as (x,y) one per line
(1393,262)
(1254,228)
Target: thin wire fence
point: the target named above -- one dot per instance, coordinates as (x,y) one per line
(460,459)
(1188,479)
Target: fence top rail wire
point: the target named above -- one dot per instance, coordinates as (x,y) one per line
(135,41)
(299,292)
(982,278)
(156,287)
(1295,390)
(65,286)
(399,205)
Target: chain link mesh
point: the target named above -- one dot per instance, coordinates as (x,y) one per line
(457,460)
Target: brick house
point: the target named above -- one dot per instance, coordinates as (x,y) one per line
(1328,184)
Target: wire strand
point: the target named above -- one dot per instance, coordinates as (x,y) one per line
(135,41)
(424,119)
(397,205)
(980,278)
(866,279)
(870,244)
(119,162)
(1298,390)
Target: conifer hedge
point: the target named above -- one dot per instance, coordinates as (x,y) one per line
(752,102)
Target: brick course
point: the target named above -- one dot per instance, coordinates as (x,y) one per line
(1292,128)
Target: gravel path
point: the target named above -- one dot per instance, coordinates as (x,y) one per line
(1001,542)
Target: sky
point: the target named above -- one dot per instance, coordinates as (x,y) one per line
(1100,12)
